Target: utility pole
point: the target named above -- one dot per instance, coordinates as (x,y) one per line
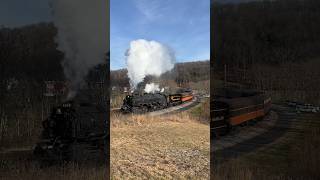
(225,75)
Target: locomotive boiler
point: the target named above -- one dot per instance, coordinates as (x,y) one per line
(146,102)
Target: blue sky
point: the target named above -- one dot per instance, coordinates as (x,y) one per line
(183,25)
(15,13)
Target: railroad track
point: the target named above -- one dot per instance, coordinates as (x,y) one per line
(248,139)
(179,108)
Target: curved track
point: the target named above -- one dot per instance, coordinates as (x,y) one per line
(232,146)
(179,108)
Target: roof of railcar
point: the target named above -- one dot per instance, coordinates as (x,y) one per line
(237,98)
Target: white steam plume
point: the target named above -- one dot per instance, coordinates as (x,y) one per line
(83,36)
(152,88)
(147,58)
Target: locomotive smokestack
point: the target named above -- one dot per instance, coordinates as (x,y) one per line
(148,58)
(82,36)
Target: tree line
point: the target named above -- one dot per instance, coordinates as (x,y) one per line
(181,73)
(269,45)
(271,32)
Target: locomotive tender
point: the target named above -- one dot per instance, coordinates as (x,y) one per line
(232,107)
(146,102)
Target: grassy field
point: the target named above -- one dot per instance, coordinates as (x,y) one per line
(29,170)
(166,147)
(294,156)
(116,99)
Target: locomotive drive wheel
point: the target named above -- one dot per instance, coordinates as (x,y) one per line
(145,108)
(85,153)
(48,157)
(137,110)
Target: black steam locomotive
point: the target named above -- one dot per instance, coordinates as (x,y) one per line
(74,131)
(146,102)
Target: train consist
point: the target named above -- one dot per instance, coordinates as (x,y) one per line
(146,102)
(232,107)
(74,131)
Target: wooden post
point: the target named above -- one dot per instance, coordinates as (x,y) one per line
(225,75)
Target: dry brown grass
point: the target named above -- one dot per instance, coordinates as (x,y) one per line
(165,147)
(293,157)
(29,170)
(305,157)
(201,112)
(116,100)
(237,169)
(21,122)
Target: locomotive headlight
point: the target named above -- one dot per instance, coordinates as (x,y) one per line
(58,111)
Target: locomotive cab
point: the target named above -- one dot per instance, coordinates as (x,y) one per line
(59,123)
(127,104)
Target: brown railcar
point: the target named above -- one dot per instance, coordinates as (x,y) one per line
(233,107)
(180,97)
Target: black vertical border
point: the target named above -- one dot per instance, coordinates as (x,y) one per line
(107,87)
(213,44)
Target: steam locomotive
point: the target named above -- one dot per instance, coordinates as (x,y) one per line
(146,102)
(232,107)
(75,131)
